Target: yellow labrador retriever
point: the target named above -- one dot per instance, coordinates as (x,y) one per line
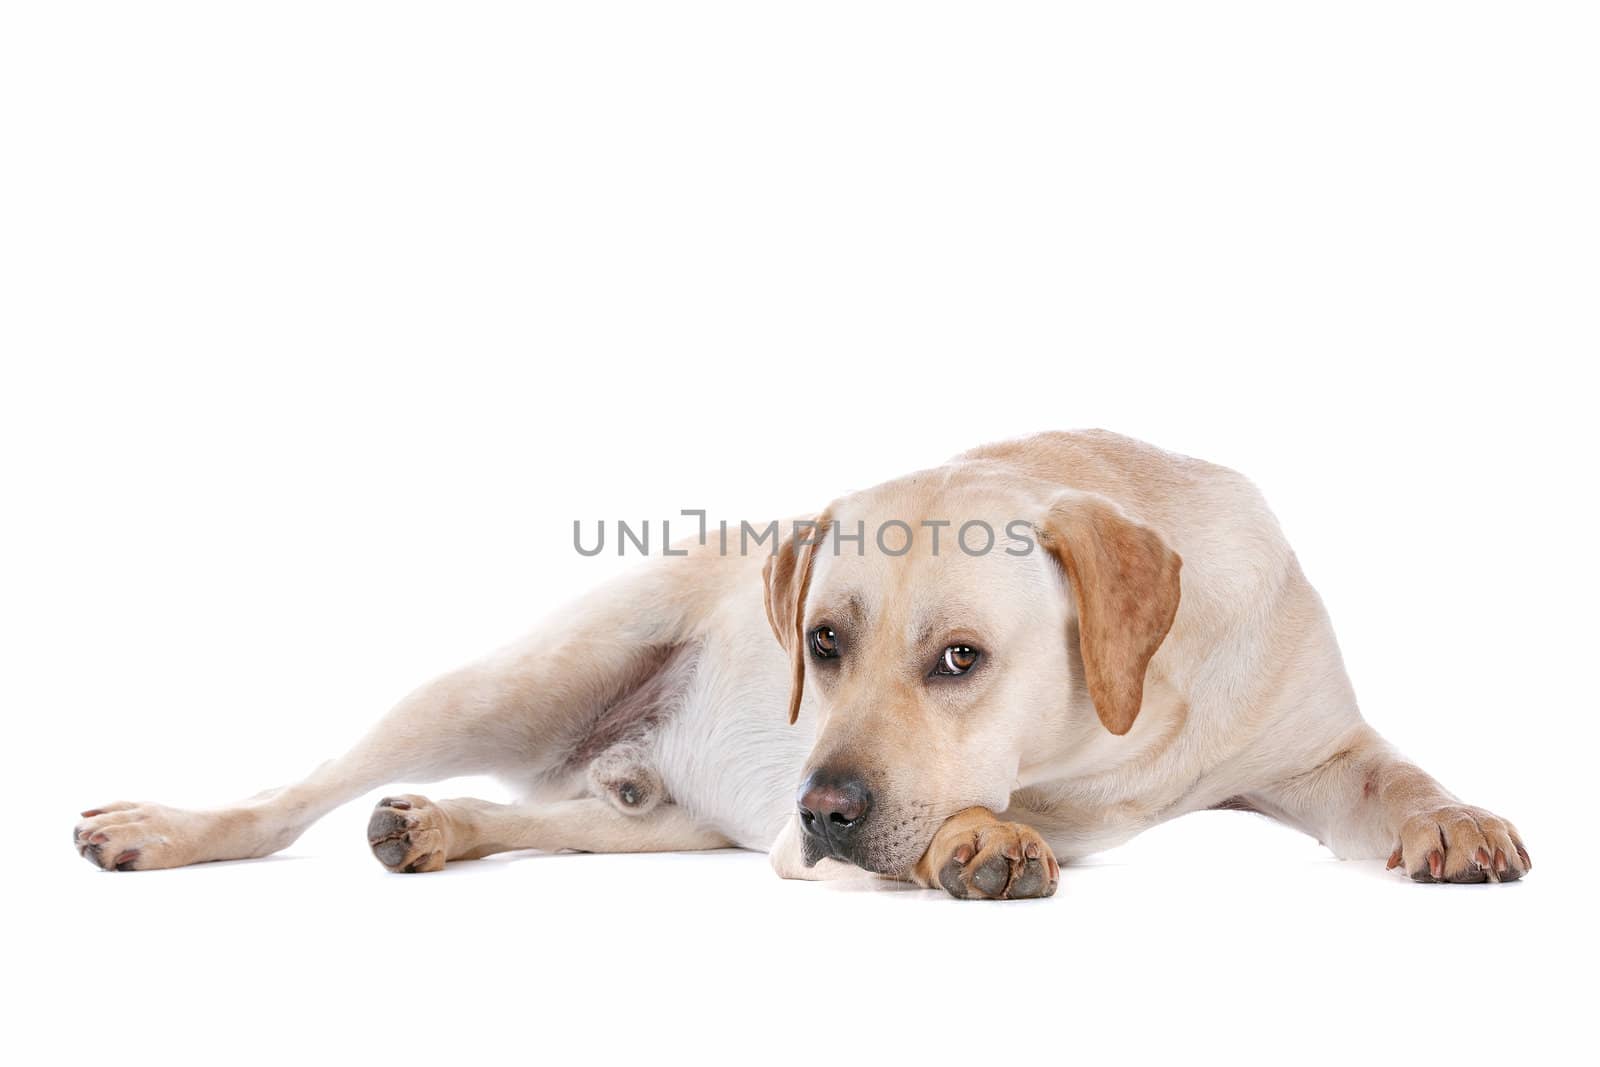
(1032,652)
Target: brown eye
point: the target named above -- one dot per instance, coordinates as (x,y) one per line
(823,643)
(957,659)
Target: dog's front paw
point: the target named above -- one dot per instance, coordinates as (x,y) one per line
(990,860)
(1457,843)
(409,834)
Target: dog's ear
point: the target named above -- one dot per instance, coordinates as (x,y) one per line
(1124,578)
(787,576)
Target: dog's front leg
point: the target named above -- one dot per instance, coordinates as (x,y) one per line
(1367,802)
(976,856)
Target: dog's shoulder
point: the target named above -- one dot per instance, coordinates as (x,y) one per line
(1233,549)
(1129,471)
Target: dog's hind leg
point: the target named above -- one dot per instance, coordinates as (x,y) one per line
(524,711)
(412,834)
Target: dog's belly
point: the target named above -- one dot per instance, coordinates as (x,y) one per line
(728,753)
(703,722)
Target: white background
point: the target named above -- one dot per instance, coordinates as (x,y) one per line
(322,323)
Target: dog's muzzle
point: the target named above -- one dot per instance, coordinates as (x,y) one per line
(834,806)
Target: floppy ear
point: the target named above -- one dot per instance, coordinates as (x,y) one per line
(787,574)
(1125,580)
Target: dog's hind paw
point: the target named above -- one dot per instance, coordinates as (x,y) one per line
(140,837)
(409,834)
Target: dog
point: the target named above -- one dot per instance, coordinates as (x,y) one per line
(981,670)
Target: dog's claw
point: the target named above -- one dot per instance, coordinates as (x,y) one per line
(129,836)
(1459,844)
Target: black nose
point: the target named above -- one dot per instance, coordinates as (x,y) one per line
(833,806)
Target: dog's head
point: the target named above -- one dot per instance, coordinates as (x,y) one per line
(941,622)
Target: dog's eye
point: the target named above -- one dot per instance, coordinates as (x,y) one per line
(957,659)
(824,645)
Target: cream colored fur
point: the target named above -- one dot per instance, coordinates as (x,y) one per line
(1245,704)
